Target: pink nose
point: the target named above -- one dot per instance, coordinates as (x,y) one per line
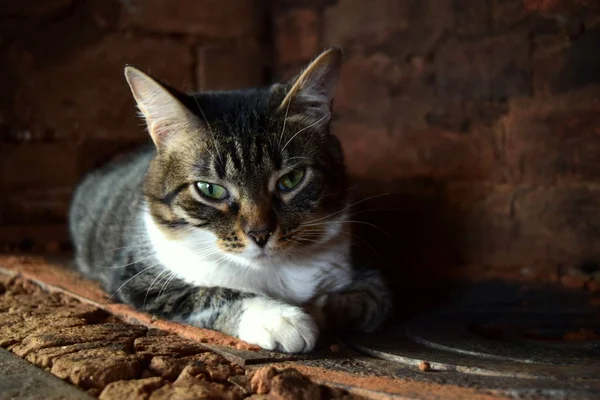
(260,237)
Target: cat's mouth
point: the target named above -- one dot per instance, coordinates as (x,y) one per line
(262,256)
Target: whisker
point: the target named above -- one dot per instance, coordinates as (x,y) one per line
(152,284)
(287,109)
(303,129)
(350,222)
(347,207)
(173,276)
(128,280)
(133,262)
(377,209)
(299,158)
(361,240)
(127,247)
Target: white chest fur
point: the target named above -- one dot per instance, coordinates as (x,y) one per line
(197,260)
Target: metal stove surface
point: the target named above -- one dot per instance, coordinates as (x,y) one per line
(528,342)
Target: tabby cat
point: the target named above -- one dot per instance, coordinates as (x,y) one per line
(236,218)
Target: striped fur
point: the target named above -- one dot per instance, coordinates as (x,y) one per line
(264,263)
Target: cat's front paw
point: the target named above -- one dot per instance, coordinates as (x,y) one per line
(273,325)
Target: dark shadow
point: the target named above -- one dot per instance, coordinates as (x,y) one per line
(404,228)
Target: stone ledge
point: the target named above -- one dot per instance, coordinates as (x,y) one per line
(64,324)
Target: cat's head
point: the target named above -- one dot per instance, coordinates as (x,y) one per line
(251,174)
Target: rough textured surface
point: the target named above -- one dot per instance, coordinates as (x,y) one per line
(24,381)
(142,362)
(134,389)
(89,348)
(61,280)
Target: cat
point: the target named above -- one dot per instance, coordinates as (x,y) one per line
(235,217)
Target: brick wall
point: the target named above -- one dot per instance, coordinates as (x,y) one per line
(65,106)
(480,117)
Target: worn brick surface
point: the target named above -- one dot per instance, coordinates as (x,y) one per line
(492,67)
(88,348)
(372,22)
(134,389)
(35,8)
(33,204)
(472,16)
(22,380)
(507,13)
(370,149)
(561,65)
(553,139)
(365,86)
(524,224)
(298,35)
(82,97)
(226,68)
(38,166)
(211,18)
(558,5)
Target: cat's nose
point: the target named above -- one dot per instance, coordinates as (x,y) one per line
(260,237)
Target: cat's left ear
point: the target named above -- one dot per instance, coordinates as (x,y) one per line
(310,98)
(166,117)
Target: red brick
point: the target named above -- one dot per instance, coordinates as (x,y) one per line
(432,14)
(36,205)
(561,63)
(553,139)
(364,89)
(503,225)
(35,8)
(413,99)
(471,16)
(37,166)
(430,22)
(543,5)
(220,19)
(547,62)
(507,12)
(287,72)
(491,68)
(95,152)
(41,234)
(550,6)
(366,22)
(87,95)
(297,35)
(373,152)
(221,68)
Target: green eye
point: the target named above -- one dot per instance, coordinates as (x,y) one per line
(211,190)
(290,180)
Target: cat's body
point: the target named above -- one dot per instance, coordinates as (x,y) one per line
(237,220)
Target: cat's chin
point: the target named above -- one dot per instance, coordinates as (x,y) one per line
(263,258)
(259,259)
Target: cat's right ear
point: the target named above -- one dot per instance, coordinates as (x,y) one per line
(311,94)
(166,117)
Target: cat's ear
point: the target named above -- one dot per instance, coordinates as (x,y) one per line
(166,117)
(311,95)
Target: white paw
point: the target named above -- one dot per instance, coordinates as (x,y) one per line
(273,325)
